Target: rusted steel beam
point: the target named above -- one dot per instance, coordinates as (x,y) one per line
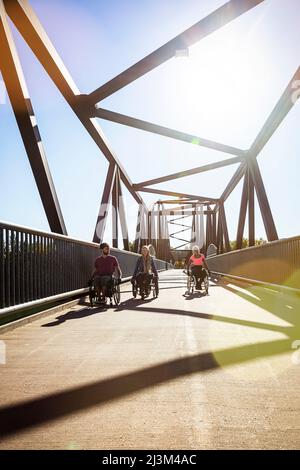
(211,23)
(34,34)
(104,206)
(13,77)
(164,131)
(192,171)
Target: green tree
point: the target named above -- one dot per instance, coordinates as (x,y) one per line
(245,242)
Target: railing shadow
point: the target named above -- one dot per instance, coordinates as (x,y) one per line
(74,315)
(24,415)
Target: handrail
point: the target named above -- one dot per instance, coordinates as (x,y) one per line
(276,262)
(35,264)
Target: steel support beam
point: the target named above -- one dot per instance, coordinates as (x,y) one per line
(179,201)
(218,18)
(208,231)
(220,244)
(251,210)
(283,106)
(233,181)
(224,227)
(164,131)
(122,215)
(12,74)
(192,171)
(115,212)
(104,206)
(263,200)
(214,227)
(242,214)
(33,33)
(171,193)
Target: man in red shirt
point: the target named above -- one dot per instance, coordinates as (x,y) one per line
(106,266)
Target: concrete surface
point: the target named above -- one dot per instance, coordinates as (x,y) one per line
(177,372)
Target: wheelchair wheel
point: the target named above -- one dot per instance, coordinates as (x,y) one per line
(116,294)
(206,284)
(142,292)
(134,290)
(155,290)
(190,285)
(91,296)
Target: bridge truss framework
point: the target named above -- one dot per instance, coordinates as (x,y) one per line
(87,109)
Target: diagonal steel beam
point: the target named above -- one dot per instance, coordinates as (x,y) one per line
(263,200)
(164,131)
(33,33)
(214,21)
(251,210)
(122,215)
(12,73)
(171,193)
(224,227)
(104,206)
(239,173)
(242,214)
(178,201)
(192,171)
(283,106)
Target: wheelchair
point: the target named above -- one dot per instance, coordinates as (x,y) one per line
(112,293)
(144,288)
(195,284)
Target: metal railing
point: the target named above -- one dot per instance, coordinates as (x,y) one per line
(275,262)
(36,264)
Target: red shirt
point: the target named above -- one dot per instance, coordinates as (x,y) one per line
(106,266)
(197,261)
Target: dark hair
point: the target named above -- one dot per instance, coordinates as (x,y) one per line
(104,245)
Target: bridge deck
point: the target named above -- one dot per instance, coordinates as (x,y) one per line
(174,372)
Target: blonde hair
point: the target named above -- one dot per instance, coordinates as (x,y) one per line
(196,248)
(147,261)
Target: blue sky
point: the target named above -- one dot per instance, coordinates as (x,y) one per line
(223,91)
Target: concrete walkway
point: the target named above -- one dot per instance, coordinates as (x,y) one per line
(177,372)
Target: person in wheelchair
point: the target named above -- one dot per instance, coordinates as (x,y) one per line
(106,266)
(197,266)
(145,270)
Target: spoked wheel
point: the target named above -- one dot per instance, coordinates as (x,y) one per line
(142,292)
(190,285)
(91,296)
(117,295)
(134,290)
(206,284)
(155,291)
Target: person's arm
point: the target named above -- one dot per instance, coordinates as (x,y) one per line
(136,268)
(205,263)
(118,269)
(94,270)
(153,267)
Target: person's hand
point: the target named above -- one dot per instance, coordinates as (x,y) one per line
(119,280)
(90,282)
